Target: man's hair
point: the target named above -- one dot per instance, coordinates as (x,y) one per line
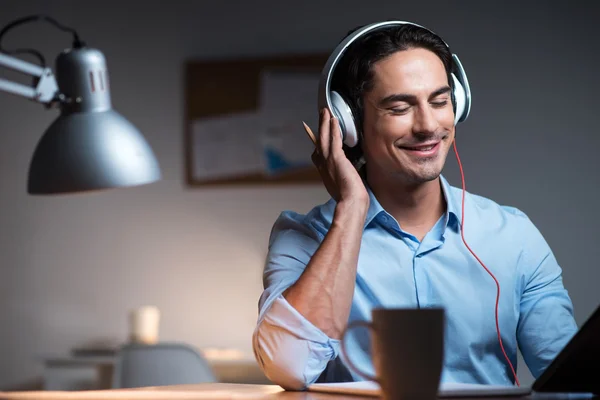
(353,75)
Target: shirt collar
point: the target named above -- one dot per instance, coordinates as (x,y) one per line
(453,209)
(453,204)
(374,207)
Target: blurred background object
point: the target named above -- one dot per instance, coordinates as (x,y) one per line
(140,365)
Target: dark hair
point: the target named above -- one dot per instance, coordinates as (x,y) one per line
(354,75)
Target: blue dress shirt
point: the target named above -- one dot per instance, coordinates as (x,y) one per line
(395,269)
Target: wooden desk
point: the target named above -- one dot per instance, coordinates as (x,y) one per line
(212,391)
(179,392)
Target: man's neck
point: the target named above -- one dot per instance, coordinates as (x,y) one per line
(416,207)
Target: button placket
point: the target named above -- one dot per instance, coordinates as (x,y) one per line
(420,288)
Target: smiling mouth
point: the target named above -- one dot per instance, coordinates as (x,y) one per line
(425,150)
(421,148)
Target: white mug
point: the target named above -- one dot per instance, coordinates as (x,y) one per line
(144,325)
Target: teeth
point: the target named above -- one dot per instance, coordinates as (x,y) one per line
(422,148)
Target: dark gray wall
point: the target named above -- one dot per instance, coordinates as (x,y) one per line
(73,266)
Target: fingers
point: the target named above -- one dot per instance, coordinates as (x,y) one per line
(330,138)
(336,136)
(318,161)
(324,133)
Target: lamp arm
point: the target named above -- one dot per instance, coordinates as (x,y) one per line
(44,88)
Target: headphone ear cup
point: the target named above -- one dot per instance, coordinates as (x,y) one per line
(461,92)
(343,113)
(459,100)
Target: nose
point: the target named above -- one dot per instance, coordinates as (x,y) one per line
(424,121)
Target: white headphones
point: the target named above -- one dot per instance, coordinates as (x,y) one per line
(337,105)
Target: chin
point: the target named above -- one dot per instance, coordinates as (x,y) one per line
(408,172)
(421,176)
(424,178)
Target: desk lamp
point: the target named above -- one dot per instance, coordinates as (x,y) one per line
(89,146)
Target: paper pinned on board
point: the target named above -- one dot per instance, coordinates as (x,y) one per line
(267,141)
(285,90)
(227,146)
(286,99)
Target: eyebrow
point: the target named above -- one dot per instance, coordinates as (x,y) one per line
(411,98)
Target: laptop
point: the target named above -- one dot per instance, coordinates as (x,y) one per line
(576,369)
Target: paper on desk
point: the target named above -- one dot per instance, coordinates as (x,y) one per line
(449,389)
(286,99)
(227,146)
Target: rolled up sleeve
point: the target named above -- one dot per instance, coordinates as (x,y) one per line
(291,351)
(546,321)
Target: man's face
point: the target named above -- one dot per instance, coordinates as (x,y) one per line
(408,118)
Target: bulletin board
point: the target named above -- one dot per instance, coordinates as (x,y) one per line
(243,120)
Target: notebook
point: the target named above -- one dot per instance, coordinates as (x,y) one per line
(370,388)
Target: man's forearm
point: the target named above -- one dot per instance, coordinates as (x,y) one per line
(323,293)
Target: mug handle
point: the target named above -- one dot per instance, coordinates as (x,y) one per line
(350,326)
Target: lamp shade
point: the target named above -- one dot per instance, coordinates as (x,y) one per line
(91,151)
(89,146)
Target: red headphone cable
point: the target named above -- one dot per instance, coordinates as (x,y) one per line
(462,224)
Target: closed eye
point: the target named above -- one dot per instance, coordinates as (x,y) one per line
(440,104)
(398,111)
(404,110)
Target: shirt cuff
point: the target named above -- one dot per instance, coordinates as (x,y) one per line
(284,315)
(289,342)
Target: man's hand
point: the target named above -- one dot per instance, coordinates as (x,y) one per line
(340,177)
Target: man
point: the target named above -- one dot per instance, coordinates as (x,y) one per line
(392,237)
